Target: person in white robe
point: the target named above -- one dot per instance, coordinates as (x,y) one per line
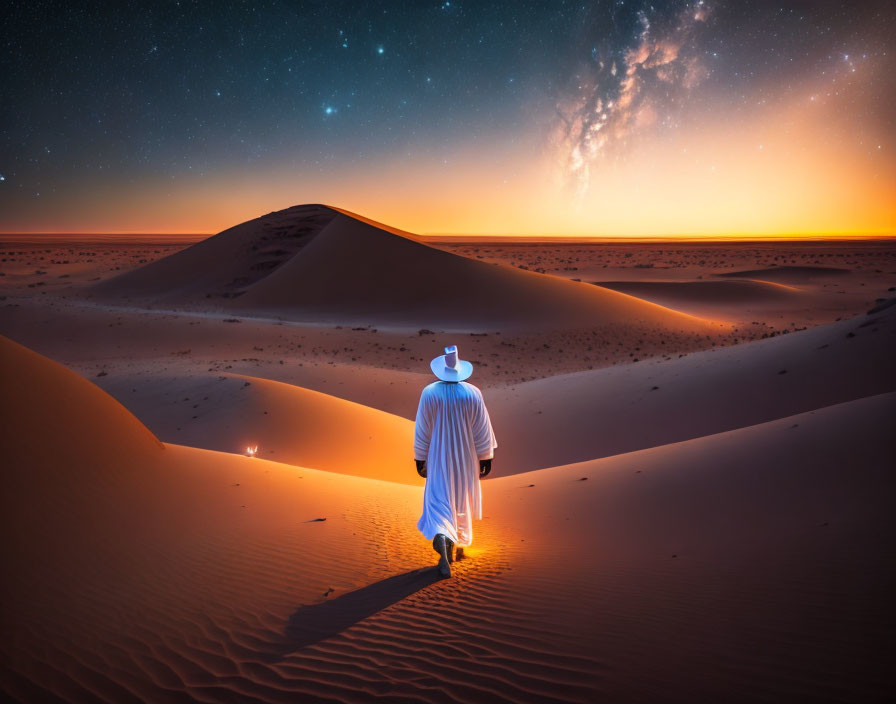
(454,446)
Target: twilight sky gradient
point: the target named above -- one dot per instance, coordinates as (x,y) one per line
(601,118)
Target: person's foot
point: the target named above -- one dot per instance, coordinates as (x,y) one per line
(449,549)
(439,544)
(459,555)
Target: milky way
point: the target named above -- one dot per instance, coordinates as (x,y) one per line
(626,88)
(441,116)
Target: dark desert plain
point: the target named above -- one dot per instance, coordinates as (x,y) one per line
(692,496)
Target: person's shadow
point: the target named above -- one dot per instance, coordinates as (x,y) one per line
(317,622)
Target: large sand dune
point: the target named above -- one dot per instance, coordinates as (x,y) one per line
(316,263)
(749,565)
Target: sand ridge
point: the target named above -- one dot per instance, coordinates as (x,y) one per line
(788,273)
(308,428)
(698,291)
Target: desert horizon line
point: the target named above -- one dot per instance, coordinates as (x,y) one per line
(471,237)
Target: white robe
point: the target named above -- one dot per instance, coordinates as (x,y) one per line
(453,432)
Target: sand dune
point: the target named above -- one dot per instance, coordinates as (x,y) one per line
(573,417)
(175,573)
(140,570)
(164,400)
(754,565)
(790,274)
(85,420)
(383,277)
(315,263)
(733,291)
(709,298)
(303,427)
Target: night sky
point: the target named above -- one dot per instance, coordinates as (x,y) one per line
(521,117)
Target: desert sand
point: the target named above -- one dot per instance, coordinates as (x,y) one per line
(691,498)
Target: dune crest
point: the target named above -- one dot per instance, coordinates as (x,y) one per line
(377,224)
(792,274)
(702,292)
(50,412)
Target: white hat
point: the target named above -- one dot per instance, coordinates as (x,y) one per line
(449,368)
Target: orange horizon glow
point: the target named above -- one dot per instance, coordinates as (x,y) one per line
(473,238)
(800,167)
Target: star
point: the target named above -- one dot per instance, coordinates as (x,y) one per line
(380,50)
